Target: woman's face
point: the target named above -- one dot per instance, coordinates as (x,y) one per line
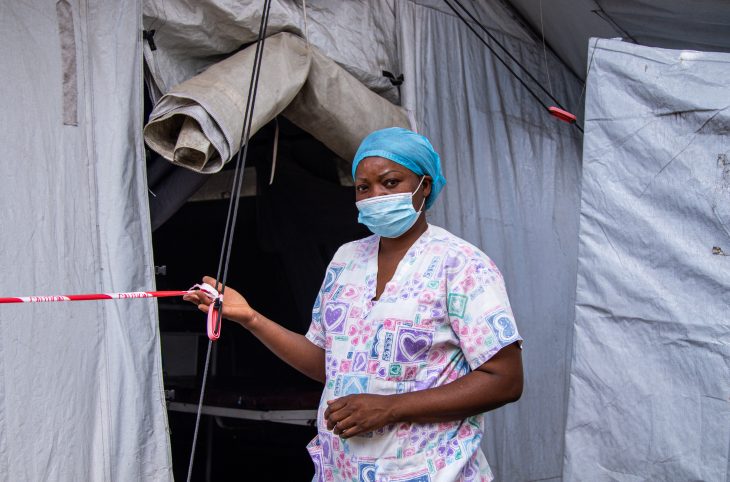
(377,176)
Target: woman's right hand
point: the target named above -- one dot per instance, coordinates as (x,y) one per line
(235,306)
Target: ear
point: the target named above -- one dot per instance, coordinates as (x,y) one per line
(427,183)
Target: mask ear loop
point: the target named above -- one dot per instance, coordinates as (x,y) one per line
(424,197)
(419,185)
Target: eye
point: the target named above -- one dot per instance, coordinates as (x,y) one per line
(361,188)
(391,183)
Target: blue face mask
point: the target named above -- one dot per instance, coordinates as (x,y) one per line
(389,216)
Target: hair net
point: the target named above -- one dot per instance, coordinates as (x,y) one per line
(408,149)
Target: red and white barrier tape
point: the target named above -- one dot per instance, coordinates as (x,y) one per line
(214,313)
(93,296)
(206,288)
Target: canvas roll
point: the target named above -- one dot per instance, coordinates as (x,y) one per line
(199,123)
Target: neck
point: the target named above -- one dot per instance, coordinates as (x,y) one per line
(406,240)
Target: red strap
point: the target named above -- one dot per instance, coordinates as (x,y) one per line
(561,114)
(215,317)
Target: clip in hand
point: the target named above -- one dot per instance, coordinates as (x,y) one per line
(215,312)
(215,317)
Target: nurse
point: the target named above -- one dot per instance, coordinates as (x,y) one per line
(412,332)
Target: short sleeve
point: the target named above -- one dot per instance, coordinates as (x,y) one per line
(479,310)
(316,332)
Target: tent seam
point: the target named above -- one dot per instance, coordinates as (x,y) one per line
(104,397)
(149,261)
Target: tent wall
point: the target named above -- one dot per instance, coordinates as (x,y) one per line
(649,391)
(513,183)
(80,383)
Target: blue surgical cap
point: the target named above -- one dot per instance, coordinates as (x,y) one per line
(408,149)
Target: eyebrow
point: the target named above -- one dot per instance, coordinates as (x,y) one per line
(382,175)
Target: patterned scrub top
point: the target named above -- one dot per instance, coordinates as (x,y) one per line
(444,313)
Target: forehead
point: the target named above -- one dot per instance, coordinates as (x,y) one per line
(375,166)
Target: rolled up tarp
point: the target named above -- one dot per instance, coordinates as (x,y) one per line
(198,123)
(338,110)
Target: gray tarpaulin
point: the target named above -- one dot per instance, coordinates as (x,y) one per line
(650,384)
(198,123)
(513,183)
(338,110)
(80,382)
(190,36)
(568,24)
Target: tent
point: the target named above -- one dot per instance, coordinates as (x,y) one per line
(613,243)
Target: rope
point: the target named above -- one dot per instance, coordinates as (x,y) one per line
(231,218)
(491,49)
(200,409)
(544,51)
(494,39)
(503,62)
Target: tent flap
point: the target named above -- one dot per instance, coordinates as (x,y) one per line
(81,394)
(190,36)
(198,124)
(649,382)
(338,110)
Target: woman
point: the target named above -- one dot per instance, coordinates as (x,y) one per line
(412,332)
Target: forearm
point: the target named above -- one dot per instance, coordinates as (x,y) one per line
(293,348)
(490,386)
(457,400)
(481,390)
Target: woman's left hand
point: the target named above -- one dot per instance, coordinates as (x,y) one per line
(357,414)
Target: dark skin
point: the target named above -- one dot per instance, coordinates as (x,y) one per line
(495,383)
(377,176)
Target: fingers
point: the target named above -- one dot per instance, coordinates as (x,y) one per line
(356,414)
(334,413)
(210,280)
(346,428)
(337,403)
(191,297)
(199,298)
(341,418)
(227,291)
(334,418)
